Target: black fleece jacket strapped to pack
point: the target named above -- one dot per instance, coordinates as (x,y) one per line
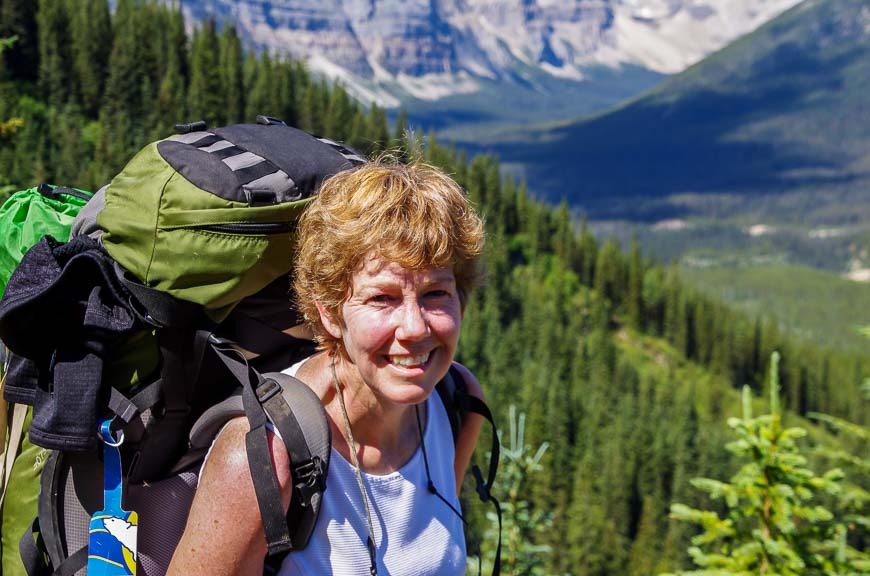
(63,310)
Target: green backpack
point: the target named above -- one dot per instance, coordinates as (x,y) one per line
(25,217)
(186,252)
(180,262)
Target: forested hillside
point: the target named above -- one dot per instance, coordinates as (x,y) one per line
(626,373)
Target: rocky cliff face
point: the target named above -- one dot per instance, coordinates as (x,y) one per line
(430,48)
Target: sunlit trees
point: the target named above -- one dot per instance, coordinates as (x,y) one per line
(777,518)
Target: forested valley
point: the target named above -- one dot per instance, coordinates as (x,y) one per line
(611,379)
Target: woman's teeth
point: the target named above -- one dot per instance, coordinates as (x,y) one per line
(409,361)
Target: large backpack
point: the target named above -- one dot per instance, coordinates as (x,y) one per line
(25,217)
(166,313)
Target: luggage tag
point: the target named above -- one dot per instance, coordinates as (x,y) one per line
(112,532)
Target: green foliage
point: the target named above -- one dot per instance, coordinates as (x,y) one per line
(775,520)
(818,306)
(522,523)
(107,84)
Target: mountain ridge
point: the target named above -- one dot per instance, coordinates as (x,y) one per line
(388,50)
(781,110)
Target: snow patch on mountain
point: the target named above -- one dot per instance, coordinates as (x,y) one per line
(435,48)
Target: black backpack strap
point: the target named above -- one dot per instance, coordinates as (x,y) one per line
(31,549)
(454,395)
(300,419)
(42,548)
(257,445)
(484,488)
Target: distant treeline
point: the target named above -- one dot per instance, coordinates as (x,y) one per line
(84,88)
(623,369)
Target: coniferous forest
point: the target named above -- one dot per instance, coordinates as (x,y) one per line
(611,379)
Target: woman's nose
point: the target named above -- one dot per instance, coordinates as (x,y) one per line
(412,322)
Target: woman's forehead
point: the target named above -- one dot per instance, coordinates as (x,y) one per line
(375,269)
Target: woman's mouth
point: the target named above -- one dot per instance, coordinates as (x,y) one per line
(403,361)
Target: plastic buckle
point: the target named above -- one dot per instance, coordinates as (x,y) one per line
(482,490)
(308,479)
(173,413)
(216,340)
(269,120)
(189,127)
(266,389)
(258,198)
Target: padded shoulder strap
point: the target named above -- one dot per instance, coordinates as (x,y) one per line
(454,395)
(298,416)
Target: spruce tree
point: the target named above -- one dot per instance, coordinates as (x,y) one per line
(634,293)
(55,62)
(775,522)
(205,97)
(378,129)
(91,44)
(231,76)
(339,115)
(523,527)
(19,59)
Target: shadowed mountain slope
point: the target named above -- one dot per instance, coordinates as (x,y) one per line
(785,109)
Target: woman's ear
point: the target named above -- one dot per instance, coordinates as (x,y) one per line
(330,324)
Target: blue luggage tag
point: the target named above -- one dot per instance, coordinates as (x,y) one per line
(112,533)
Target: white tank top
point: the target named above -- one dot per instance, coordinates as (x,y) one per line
(415,532)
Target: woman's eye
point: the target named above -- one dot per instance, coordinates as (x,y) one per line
(438,294)
(381,299)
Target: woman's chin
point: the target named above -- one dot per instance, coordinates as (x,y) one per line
(409,386)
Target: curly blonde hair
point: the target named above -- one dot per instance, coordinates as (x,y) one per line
(414,215)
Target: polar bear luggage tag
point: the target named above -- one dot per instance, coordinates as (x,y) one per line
(112,533)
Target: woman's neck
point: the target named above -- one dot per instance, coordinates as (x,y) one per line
(385,433)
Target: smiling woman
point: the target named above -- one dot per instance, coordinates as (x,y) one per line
(387,257)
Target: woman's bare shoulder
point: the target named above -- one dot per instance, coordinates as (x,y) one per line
(472,384)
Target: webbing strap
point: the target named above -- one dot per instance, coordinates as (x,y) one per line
(458,402)
(157,307)
(259,457)
(284,420)
(484,488)
(73,563)
(16,431)
(29,551)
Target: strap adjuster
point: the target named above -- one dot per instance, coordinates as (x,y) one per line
(309,477)
(267,389)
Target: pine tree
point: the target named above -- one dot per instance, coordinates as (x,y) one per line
(123,108)
(19,59)
(378,130)
(205,98)
(563,242)
(634,292)
(339,115)
(774,522)
(171,105)
(55,62)
(312,109)
(231,76)
(91,44)
(522,525)
(646,547)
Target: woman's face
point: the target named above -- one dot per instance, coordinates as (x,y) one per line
(400,328)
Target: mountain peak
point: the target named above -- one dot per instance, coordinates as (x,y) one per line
(433,48)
